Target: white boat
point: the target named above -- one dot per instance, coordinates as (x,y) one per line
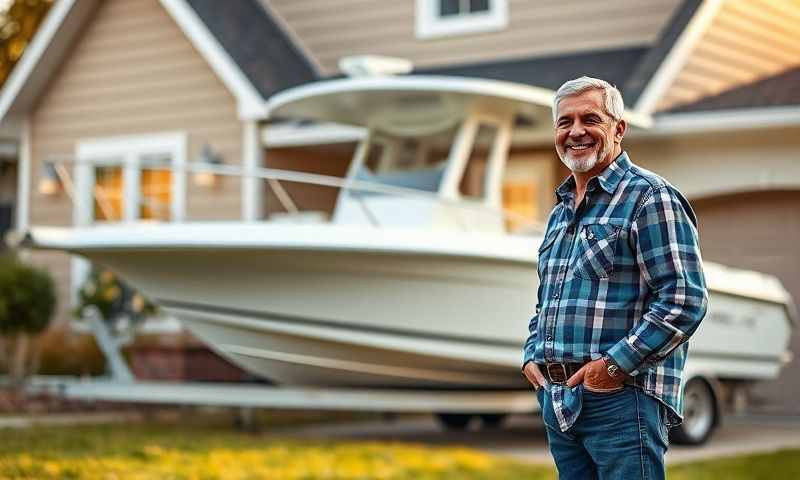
(410,283)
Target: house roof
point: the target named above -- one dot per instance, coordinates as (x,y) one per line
(255,41)
(778,90)
(640,77)
(254,57)
(241,41)
(613,66)
(630,69)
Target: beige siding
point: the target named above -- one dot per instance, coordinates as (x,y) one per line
(761,218)
(746,41)
(133,72)
(723,163)
(331,30)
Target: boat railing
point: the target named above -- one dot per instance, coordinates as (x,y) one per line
(275,179)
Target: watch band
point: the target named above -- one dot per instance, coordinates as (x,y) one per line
(612,368)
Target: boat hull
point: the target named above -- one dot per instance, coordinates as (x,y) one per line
(330,306)
(310,317)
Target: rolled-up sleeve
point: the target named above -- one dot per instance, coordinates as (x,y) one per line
(664,237)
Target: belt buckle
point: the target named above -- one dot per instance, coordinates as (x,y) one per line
(563,369)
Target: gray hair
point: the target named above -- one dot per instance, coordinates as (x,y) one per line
(613,99)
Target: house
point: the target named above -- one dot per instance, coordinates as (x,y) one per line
(112,91)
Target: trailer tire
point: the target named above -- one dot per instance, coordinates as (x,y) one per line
(700,414)
(492,421)
(454,421)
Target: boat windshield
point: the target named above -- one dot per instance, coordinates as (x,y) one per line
(415,163)
(426,179)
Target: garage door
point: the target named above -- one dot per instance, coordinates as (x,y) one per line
(759,231)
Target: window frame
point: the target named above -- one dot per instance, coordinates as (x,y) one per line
(430,25)
(124,151)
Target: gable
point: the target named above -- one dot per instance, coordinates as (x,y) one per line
(256,43)
(780,90)
(234,42)
(130,61)
(744,42)
(331,30)
(133,72)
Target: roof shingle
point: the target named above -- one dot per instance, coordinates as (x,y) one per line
(613,66)
(256,44)
(778,90)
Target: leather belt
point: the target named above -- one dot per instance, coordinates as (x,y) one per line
(559,373)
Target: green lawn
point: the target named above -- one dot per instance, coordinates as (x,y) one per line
(782,465)
(169,451)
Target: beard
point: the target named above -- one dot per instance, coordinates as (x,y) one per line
(585,164)
(576,165)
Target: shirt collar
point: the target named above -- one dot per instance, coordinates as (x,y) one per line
(609,179)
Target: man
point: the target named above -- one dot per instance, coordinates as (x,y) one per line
(621,289)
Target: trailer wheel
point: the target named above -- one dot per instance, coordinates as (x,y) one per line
(699,414)
(492,420)
(454,421)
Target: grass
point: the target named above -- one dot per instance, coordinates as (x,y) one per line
(207,451)
(172,451)
(781,465)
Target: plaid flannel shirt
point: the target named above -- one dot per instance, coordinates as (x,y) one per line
(621,276)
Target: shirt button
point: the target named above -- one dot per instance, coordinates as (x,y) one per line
(555,295)
(570,230)
(549,338)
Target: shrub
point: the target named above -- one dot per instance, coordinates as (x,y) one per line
(27,298)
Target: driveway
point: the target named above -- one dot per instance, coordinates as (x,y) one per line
(523,437)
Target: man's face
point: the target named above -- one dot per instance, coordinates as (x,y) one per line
(585,134)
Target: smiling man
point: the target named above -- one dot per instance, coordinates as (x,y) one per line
(621,289)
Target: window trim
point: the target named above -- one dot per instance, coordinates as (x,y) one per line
(129,148)
(90,153)
(429,25)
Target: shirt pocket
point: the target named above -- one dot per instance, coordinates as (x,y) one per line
(597,246)
(545,250)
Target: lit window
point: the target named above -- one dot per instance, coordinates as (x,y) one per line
(444,18)
(522,199)
(155,186)
(108,193)
(154,195)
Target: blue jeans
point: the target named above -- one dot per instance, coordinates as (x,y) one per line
(620,435)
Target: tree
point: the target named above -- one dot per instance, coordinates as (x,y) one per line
(27,303)
(17,27)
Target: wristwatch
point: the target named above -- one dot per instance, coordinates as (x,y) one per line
(612,368)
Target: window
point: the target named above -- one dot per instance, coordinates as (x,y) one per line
(444,18)
(127,179)
(130,179)
(154,194)
(155,185)
(449,8)
(528,186)
(108,193)
(522,199)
